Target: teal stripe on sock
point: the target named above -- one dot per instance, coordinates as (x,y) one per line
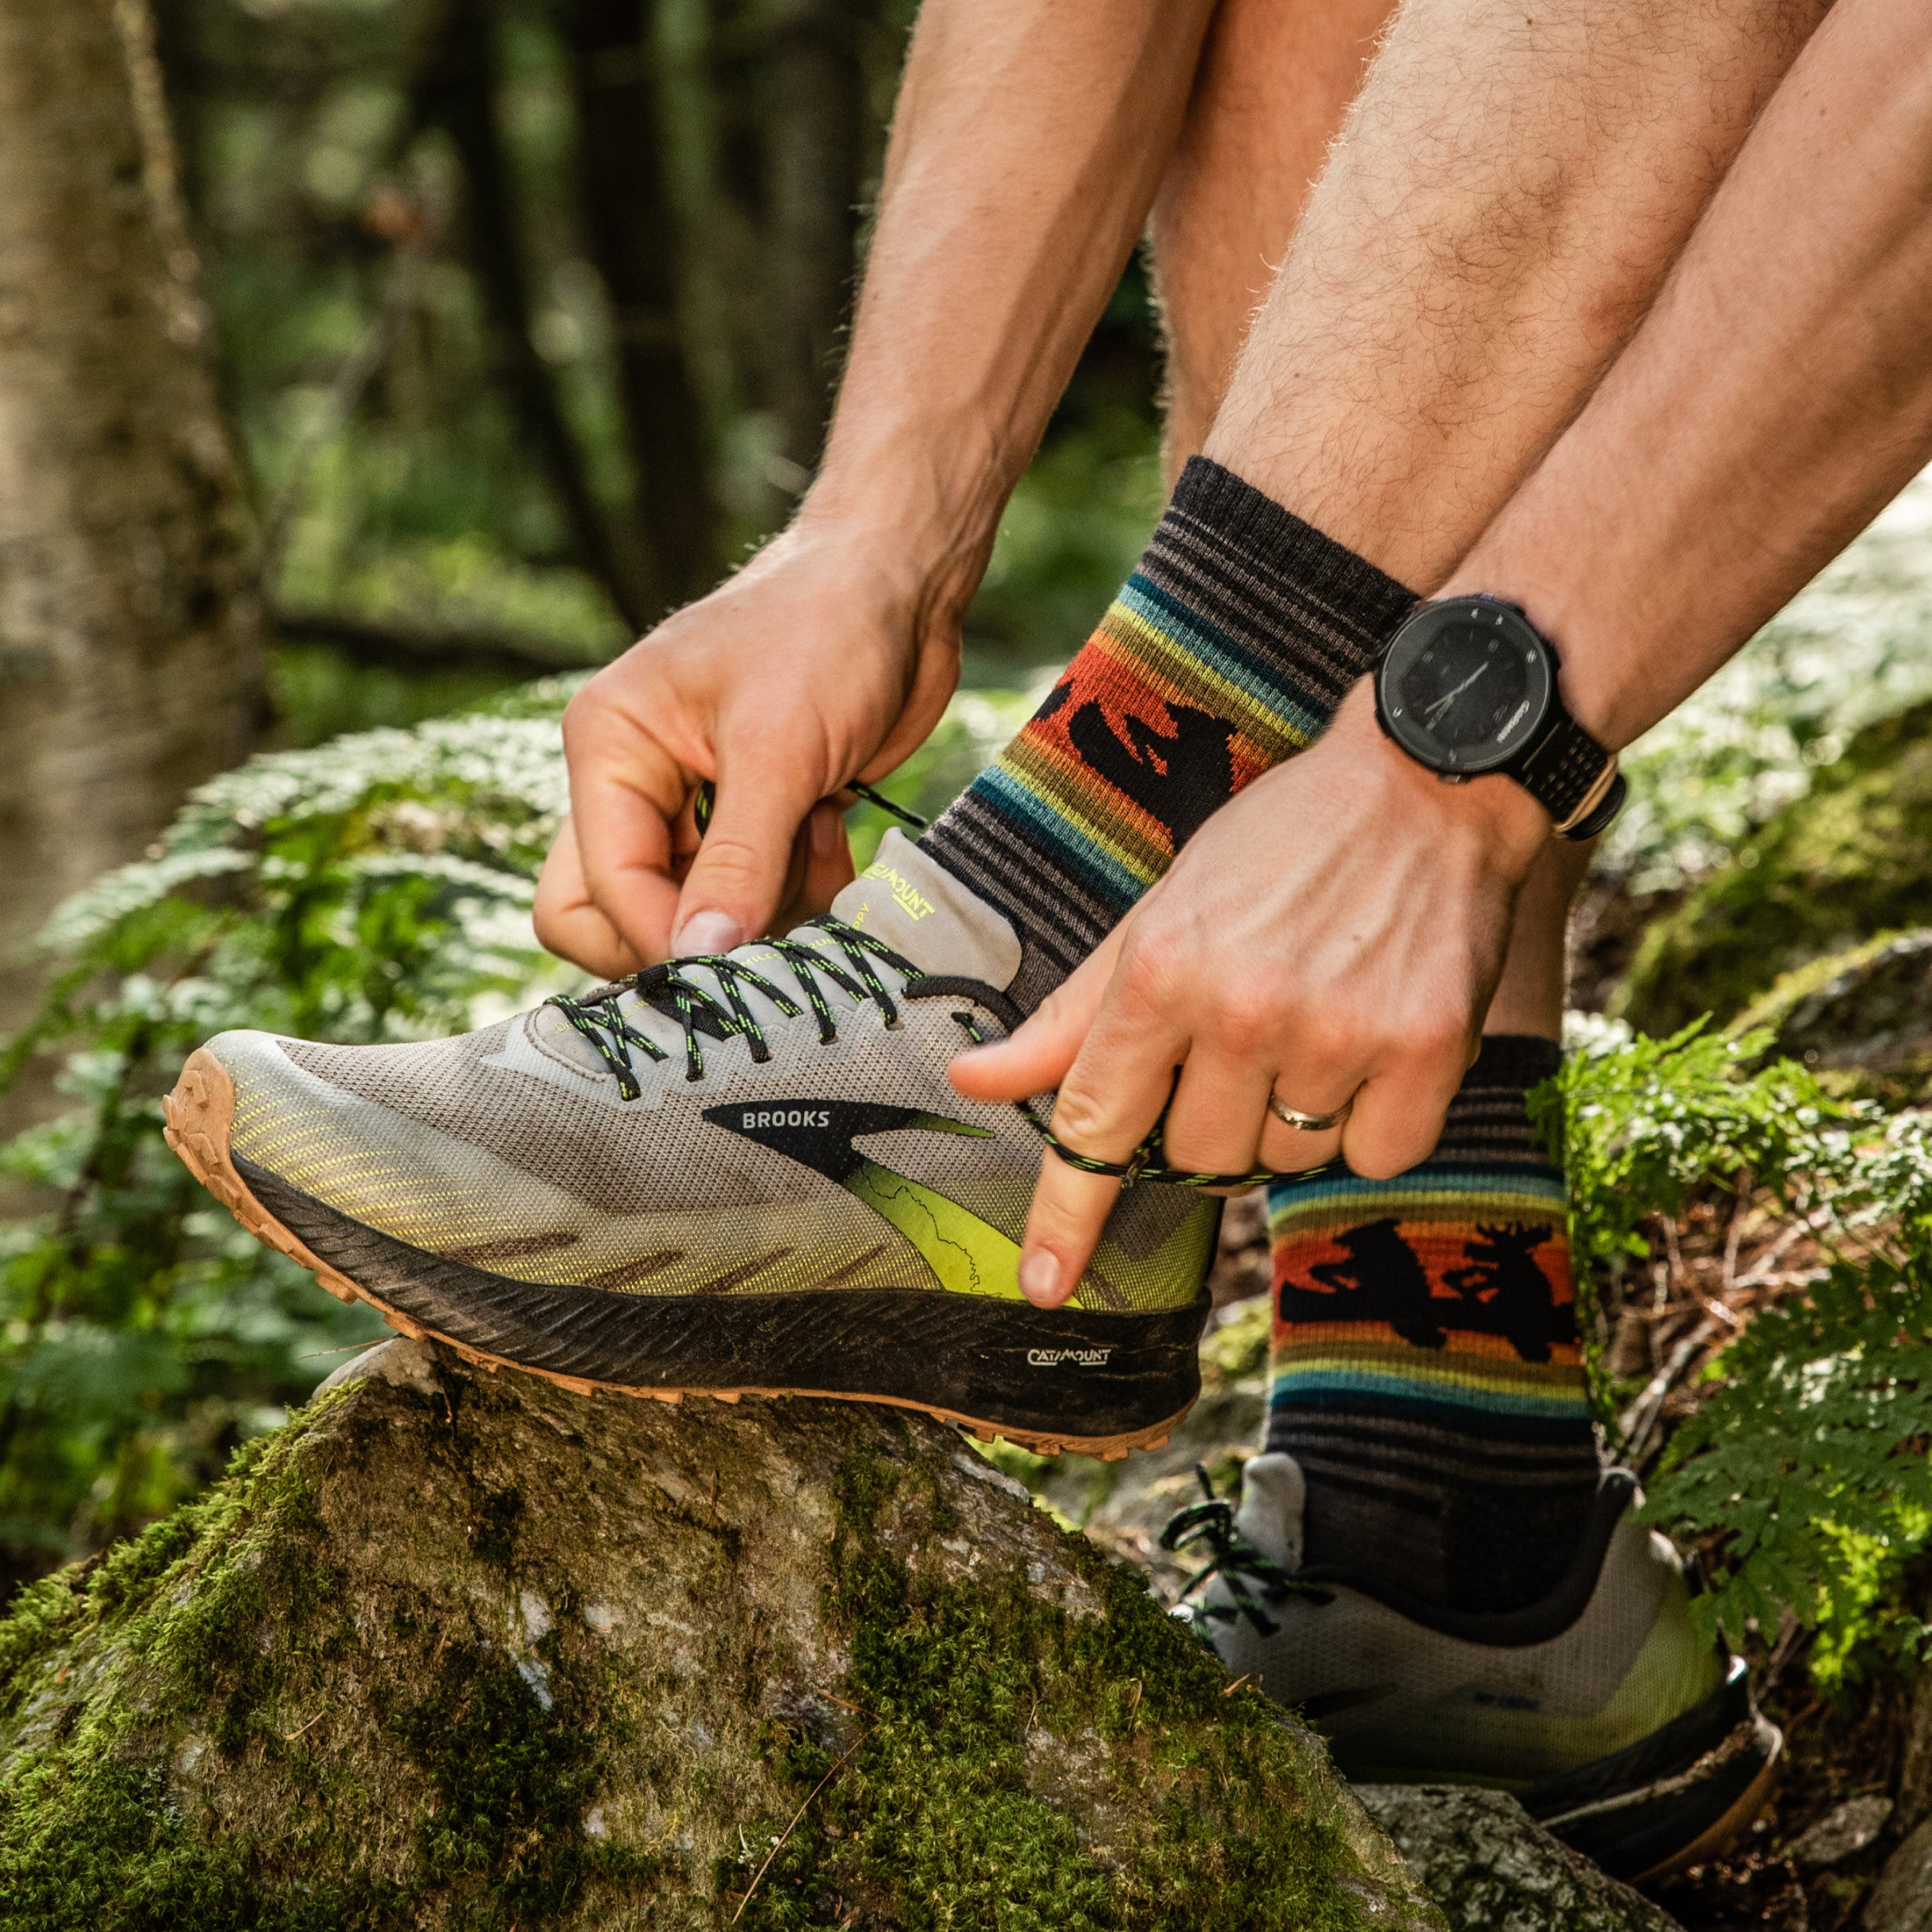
(1011,796)
(1180,628)
(1464,1183)
(1292,1387)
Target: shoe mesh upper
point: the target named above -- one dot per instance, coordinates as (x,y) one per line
(512,1149)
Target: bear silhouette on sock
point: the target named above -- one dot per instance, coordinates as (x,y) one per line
(1379,1279)
(1181,778)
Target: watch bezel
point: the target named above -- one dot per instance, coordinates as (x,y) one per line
(1421,629)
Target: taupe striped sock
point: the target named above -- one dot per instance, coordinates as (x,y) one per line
(1227,650)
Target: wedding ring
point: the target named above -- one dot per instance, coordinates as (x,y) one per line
(1309,1123)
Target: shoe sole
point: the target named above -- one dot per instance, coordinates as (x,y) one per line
(1717,1786)
(199,1121)
(1719,1837)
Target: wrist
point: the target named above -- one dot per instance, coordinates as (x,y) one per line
(1495,810)
(926,506)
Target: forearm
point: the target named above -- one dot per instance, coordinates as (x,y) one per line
(1028,142)
(1778,394)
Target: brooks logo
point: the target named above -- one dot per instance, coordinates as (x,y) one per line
(799,1117)
(1081,1358)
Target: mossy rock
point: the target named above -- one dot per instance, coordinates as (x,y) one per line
(452,1650)
(1849,859)
(1492,1870)
(1861,1020)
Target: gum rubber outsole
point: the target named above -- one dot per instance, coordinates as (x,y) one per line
(1719,1838)
(200,1122)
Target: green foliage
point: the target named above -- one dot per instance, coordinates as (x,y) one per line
(379,887)
(1806,1471)
(1811,1460)
(376,889)
(1843,863)
(1642,1122)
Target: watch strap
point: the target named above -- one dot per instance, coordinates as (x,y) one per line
(1572,777)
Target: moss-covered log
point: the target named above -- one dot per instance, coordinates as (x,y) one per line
(1849,859)
(452,1650)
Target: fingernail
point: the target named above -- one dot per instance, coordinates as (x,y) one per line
(1040,1278)
(707,932)
(826,832)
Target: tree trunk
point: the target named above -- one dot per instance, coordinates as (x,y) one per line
(457,92)
(818,153)
(792,136)
(633,232)
(453,1650)
(129,624)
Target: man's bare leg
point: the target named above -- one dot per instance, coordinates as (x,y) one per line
(1273,85)
(1506,199)
(1493,293)
(1509,191)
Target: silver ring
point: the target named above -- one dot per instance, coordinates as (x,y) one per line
(1308,1123)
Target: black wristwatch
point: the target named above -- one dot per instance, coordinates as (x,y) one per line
(1467,686)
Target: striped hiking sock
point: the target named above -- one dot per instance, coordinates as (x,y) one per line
(1425,1372)
(1227,650)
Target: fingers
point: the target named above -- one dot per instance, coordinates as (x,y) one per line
(737,882)
(1309,1086)
(626,794)
(1399,1113)
(1214,1120)
(1108,1100)
(568,923)
(1036,1059)
(828,867)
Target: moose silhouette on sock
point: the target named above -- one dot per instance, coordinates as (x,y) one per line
(1500,1291)
(1181,778)
(1504,1277)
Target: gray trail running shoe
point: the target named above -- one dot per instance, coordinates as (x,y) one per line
(1631,1738)
(744,1174)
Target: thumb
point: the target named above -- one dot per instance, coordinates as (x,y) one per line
(738,878)
(1035,1059)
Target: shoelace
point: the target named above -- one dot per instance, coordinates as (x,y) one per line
(614,1036)
(697,1010)
(705,803)
(1236,1561)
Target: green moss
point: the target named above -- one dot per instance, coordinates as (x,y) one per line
(513,1779)
(1847,860)
(973,1793)
(1238,1346)
(218,1617)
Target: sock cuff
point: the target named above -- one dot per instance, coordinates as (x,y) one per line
(1256,571)
(1514,1059)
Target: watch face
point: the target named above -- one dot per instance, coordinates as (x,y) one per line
(1463,686)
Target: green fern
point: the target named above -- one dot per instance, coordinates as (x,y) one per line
(1805,1467)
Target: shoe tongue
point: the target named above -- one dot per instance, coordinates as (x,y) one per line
(920,909)
(1272,1493)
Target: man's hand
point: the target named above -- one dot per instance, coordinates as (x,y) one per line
(817,664)
(1334,932)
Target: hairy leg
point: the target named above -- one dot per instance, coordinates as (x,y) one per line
(1507,193)
(1273,85)
(1434,328)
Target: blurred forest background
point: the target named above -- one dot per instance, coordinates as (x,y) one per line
(383,356)
(368,369)
(528,314)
